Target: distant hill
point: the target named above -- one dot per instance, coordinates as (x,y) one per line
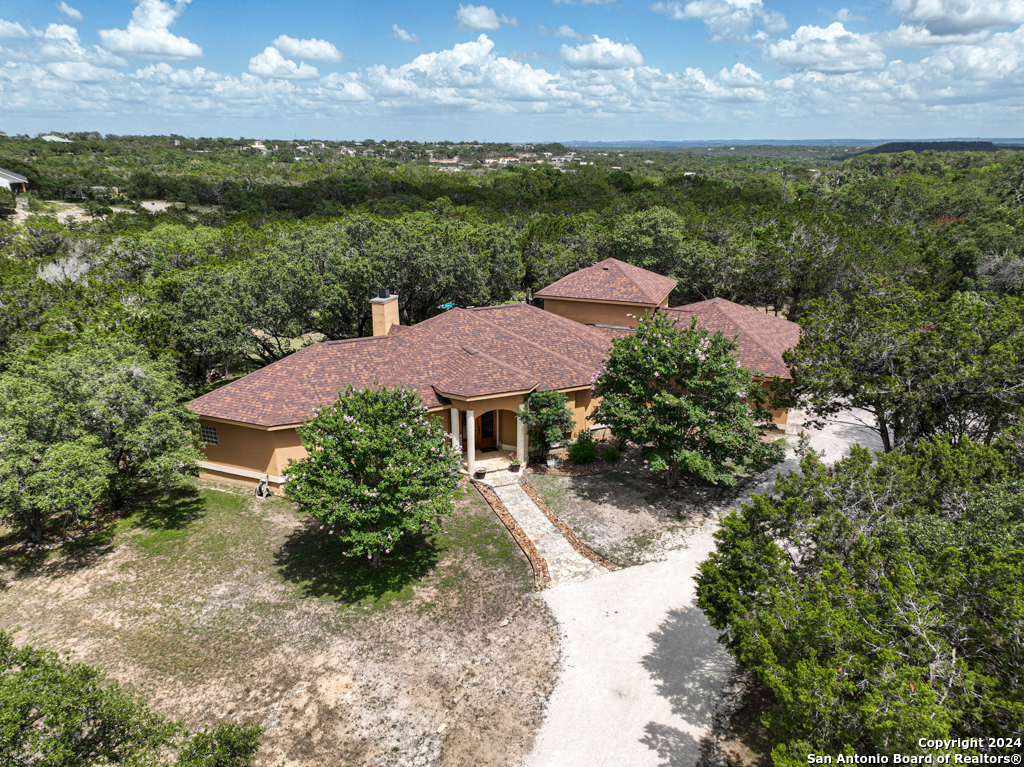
(895,147)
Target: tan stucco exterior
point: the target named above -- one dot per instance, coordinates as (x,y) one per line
(590,312)
(243,450)
(250,449)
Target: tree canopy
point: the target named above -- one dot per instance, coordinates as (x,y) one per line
(55,713)
(379,469)
(918,364)
(680,395)
(879,598)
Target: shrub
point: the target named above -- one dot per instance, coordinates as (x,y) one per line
(583,450)
(56,712)
(548,417)
(611,454)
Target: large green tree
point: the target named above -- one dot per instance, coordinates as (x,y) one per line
(919,365)
(880,599)
(379,469)
(92,423)
(680,394)
(54,713)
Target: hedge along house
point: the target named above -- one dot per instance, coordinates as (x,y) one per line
(473,368)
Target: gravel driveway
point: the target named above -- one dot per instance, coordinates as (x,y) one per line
(642,671)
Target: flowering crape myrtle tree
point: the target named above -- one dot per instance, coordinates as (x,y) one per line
(378,469)
(679,394)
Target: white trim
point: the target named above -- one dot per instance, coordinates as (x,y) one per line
(240,472)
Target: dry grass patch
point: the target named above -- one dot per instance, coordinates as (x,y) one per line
(628,515)
(216,606)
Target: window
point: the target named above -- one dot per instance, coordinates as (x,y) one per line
(209,434)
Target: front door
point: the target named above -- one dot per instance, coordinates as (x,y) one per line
(486,436)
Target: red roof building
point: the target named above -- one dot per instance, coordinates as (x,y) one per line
(473,368)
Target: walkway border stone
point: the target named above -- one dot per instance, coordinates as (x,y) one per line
(541,576)
(564,529)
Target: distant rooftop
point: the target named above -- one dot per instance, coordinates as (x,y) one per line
(612,280)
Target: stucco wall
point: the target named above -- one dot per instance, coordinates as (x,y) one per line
(582,404)
(507,433)
(594,313)
(287,445)
(243,448)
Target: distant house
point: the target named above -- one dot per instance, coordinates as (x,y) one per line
(472,368)
(12,181)
(56,139)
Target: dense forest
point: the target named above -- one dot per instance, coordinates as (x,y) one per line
(267,249)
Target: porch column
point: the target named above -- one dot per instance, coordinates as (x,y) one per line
(470,442)
(456,442)
(522,442)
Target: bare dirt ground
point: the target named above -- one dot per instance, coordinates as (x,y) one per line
(216,606)
(628,515)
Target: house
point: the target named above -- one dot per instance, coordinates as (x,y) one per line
(472,368)
(56,139)
(12,181)
(610,293)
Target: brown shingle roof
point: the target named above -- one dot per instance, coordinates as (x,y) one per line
(463,352)
(760,338)
(612,280)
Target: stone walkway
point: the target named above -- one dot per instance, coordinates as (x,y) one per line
(565,564)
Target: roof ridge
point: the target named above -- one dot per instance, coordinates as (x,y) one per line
(625,273)
(754,333)
(577,326)
(741,330)
(571,362)
(501,363)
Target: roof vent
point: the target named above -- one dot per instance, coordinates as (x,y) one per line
(384,293)
(604,268)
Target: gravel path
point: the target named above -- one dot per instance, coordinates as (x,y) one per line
(563,561)
(642,672)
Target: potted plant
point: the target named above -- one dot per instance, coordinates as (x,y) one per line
(514,465)
(480,472)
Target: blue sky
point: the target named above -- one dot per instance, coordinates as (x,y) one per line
(522,70)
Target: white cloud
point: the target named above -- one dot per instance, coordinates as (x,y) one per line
(12,29)
(60,43)
(400,34)
(271,63)
(602,53)
(567,33)
(80,72)
(313,49)
(537,54)
(845,15)
(725,19)
(959,17)
(72,14)
(908,36)
(829,49)
(148,35)
(956,88)
(481,17)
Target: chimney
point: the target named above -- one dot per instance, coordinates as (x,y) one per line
(385,312)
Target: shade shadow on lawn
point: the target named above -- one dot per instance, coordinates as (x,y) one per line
(315,563)
(165,513)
